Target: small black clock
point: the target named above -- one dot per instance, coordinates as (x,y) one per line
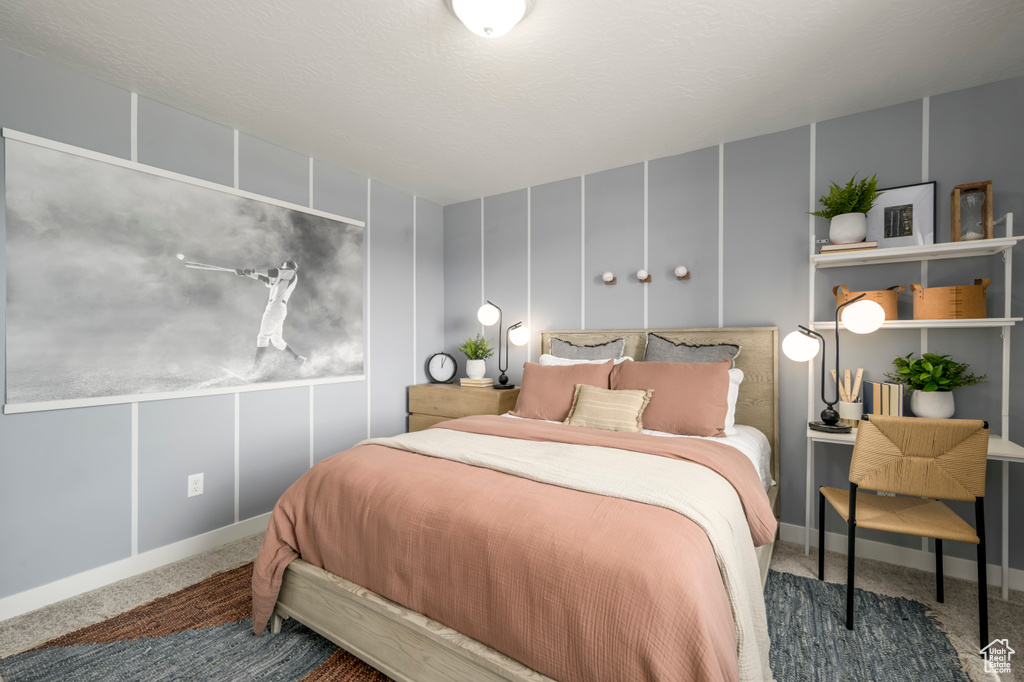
(442,368)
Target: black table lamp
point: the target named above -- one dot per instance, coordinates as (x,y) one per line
(516,335)
(862,317)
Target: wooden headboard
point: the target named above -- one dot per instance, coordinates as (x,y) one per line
(758,403)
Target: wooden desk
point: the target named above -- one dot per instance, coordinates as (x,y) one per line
(998,449)
(430,404)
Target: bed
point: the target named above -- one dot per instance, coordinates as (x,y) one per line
(407,645)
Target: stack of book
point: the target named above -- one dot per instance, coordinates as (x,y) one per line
(477,383)
(857,246)
(882,398)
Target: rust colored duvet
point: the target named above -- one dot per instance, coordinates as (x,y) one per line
(578,586)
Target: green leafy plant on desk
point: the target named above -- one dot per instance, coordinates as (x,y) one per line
(932,372)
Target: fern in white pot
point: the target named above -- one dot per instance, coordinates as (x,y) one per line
(847,208)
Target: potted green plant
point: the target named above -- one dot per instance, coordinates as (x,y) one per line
(932,379)
(476,351)
(847,208)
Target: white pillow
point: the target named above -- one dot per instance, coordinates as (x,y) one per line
(547,359)
(735,379)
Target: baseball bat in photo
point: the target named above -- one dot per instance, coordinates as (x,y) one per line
(205,266)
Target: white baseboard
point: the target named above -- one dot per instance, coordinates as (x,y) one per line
(73,585)
(904,556)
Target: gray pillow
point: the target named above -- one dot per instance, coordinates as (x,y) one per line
(611,350)
(660,349)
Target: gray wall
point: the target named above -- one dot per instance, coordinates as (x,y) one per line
(65,475)
(580,227)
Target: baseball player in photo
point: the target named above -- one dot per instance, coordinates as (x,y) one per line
(281,281)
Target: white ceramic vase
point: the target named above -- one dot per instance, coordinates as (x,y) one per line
(848,228)
(932,404)
(476,369)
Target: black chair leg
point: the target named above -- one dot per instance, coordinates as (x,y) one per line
(979,510)
(849,575)
(939,596)
(821,535)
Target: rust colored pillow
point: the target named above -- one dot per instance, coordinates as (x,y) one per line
(690,398)
(546,392)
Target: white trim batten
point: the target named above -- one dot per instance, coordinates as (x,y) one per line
(721,235)
(483,261)
(646,265)
(135,479)
(583,252)
(366,350)
(238,456)
(529,273)
(926,116)
(415,367)
(235,161)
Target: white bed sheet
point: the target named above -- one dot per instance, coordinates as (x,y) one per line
(747,439)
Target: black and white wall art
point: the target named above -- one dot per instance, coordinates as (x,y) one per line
(129,283)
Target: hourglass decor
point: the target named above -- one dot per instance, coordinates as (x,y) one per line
(971,210)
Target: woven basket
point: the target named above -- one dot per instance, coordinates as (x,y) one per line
(885,298)
(951,303)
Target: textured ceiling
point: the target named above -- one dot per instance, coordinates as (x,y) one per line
(402,92)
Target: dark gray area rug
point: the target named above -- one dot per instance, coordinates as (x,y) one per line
(893,639)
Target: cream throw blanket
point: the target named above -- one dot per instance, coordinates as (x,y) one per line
(690,489)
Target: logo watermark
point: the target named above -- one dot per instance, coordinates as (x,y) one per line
(997,656)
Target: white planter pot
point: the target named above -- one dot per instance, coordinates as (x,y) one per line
(848,228)
(476,369)
(933,405)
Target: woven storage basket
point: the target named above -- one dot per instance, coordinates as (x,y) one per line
(885,298)
(950,303)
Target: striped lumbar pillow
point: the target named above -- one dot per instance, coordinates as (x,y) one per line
(608,410)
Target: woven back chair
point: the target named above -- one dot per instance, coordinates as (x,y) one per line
(922,461)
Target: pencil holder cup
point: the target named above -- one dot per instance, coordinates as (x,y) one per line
(850,413)
(851,410)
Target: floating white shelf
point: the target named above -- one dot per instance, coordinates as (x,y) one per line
(997,447)
(907,254)
(970,323)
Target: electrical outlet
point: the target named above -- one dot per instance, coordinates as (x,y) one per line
(195,485)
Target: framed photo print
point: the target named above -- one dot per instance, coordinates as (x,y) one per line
(903,216)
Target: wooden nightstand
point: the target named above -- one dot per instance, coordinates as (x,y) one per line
(430,404)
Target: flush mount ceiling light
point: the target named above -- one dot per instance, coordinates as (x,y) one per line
(490,18)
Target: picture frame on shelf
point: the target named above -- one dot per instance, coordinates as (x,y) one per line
(903,216)
(971,211)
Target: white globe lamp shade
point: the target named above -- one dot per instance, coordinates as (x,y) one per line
(490,18)
(520,336)
(641,274)
(681,271)
(863,317)
(608,276)
(799,347)
(488,314)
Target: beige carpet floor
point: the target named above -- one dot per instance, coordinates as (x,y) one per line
(958,615)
